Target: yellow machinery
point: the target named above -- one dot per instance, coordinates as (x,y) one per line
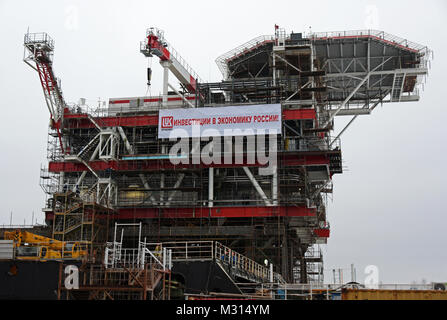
(365,294)
(30,246)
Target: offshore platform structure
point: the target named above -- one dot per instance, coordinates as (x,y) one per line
(110,164)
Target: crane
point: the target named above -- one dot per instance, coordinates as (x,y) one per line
(39,50)
(155,44)
(32,246)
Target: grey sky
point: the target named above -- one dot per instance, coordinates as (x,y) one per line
(388,207)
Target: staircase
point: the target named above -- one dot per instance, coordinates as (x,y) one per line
(152,277)
(86,153)
(398,84)
(335,162)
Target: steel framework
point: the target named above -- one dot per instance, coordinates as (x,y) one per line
(112,156)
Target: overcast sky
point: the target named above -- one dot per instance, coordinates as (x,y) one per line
(388,208)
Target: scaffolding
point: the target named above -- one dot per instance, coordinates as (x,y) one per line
(121,282)
(124,273)
(77,220)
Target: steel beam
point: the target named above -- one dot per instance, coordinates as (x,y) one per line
(287,62)
(176,186)
(93,156)
(352,120)
(257,186)
(165,65)
(346,101)
(181,96)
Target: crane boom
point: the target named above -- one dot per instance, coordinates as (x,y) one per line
(39,49)
(21,237)
(55,248)
(155,44)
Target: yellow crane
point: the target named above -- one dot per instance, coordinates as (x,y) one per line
(30,246)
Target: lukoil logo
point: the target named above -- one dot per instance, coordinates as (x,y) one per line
(167,122)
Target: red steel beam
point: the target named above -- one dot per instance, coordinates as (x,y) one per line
(322,233)
(204,212)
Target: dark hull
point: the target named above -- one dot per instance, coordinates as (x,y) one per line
(32,280)
(39,280)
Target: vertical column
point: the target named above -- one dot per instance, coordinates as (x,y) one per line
(162,181)
(303,270)
(210,187)
(275,186)
(274,68)
(165,65)
(312,69)
(285,257)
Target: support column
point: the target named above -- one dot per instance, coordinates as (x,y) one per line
(210,187)
(165,65)
(274,69)
(162,180)
(285,258)
(303,265)
(275,186)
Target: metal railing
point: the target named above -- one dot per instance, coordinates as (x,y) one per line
(392,39)
(427,54)
(424,51)
(190,250)
(239,264)
(40,37)
(182,62)
(116,109)
(116,257)
(222,60)
(95,111)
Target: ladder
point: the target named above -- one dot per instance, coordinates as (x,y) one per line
(398,84)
